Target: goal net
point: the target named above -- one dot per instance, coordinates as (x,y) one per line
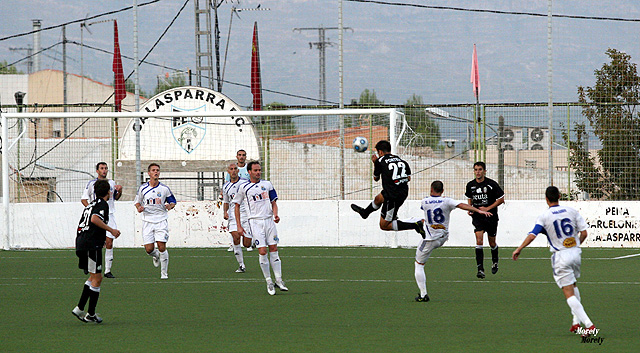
(48,158)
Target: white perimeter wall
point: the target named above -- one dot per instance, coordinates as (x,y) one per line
(315,223)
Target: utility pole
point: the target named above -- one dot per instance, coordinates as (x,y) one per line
(204,57)
(321,45)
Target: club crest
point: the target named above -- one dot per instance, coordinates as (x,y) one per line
(189,132)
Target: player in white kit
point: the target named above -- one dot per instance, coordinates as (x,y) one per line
(259,198)
(88,195)
(154,200)
(565,230)
(229,191)
(437,210)
(241,156)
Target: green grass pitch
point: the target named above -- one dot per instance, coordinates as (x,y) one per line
(339,300)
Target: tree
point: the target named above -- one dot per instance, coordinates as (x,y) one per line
(275,126)
(130,86)
(421,124)
(367,99)
(8,70)
(610,106)
(177,79)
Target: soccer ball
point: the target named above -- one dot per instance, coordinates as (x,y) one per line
(360,144)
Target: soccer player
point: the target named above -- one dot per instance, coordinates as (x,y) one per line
(565,230)
(484,194)
(90,239)
(229,191)
(154,200)
(437,210)
(259,198)
(396,175)
(89,195)
(241,156)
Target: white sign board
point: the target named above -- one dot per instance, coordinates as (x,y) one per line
(193,138)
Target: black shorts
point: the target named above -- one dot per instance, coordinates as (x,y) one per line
(486,224)
(90,261)
(390,207)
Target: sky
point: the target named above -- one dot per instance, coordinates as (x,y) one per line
(397,51)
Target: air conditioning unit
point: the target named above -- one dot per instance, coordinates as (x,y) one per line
(513,138)
(538,139)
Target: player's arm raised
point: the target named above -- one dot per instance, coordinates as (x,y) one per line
(472,209)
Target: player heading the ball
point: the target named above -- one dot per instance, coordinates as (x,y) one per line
(395,174)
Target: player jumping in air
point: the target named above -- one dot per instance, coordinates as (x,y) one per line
(395,174)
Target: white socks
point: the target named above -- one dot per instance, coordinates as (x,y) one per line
(276,264)
(237,251)
(164,262)
(421,279)
(264,265)
(108,260)
(576,292)
(155,253)
(578,310)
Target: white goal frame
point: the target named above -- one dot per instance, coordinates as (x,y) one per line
(8,143)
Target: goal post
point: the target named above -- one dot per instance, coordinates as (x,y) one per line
(193,149)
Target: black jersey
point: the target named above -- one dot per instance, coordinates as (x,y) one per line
(89,235)
(484,194)
(395,176)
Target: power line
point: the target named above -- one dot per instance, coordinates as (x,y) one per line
(180,70)
(75,21)
(598,18)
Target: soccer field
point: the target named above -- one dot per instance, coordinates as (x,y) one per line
(339,300)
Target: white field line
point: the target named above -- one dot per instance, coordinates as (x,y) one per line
(257,280)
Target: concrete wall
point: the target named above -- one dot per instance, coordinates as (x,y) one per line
(315,223)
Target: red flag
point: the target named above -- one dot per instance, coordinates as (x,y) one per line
(475,74)
(256,82)
(120,92)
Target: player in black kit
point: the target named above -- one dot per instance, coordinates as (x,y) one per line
(395,175)
(90,239)
(485,194)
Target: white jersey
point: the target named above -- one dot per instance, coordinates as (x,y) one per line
(153,200)
(90,195)
(229,191)
(437,210)
(257,198)
(562,226)
(242,173)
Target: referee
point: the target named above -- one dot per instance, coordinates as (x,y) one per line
(485,194)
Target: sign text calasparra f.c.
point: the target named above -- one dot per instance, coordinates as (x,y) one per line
(187,93)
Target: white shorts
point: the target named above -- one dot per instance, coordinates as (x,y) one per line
(427,246)
(264,232)
(112,224)
(154,232)
(566,266)
(233,227)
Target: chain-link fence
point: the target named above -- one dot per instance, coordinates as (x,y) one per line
(301,155)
